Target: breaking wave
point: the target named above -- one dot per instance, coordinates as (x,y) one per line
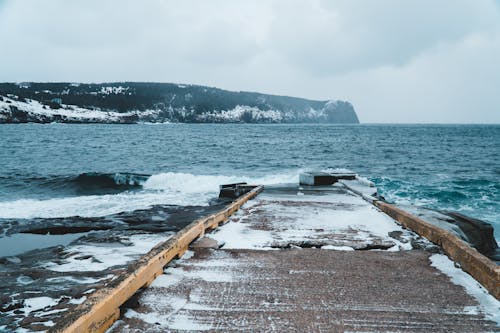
(121,181)
(171,188)
(91,183)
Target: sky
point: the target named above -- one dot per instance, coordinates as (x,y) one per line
(412,61)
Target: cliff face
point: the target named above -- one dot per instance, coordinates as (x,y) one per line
(129,102)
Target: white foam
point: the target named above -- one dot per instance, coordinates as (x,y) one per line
(95,205)
(337,170)
(189,183)
(166,188)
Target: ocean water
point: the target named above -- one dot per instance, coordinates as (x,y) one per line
(64,170)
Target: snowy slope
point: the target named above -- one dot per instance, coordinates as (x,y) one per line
(159,102)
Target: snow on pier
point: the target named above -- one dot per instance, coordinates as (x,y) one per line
(312,259)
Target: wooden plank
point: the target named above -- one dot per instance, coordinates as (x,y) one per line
(476,264)
(101,309)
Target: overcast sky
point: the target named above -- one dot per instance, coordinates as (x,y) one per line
(418,61)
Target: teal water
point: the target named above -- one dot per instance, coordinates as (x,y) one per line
(61,169)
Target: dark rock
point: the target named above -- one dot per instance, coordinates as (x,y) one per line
(479,233)
(398,235)
(30,320)
(8,304)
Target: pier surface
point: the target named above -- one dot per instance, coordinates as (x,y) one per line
(311,259)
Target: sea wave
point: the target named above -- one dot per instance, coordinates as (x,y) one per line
(189,183)
(91,183)
(172,188)
(110,180)
(476,197)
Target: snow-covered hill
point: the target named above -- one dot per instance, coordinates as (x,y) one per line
(153,102)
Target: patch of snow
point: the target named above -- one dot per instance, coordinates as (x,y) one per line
(222,276)
(487,303)
(78,300)
(174,275)
(38,303)
(167,312)
(237,235)
(113,90)
(171,277)
(149,317)
(187,323)
(311,218)
(337,248)
(106,255)
(242,113)
(69,112)
(187,255)
(362,187)
(331,104)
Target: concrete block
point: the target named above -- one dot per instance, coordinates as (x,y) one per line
(323,178)
(235,190)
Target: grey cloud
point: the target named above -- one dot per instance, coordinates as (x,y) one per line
(408,61)
(335,37)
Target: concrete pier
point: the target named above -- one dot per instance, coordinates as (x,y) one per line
(312,259)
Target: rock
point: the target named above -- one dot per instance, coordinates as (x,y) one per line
(205,243)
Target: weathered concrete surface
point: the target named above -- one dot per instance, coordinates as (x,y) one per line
(272,276)
(304,290)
